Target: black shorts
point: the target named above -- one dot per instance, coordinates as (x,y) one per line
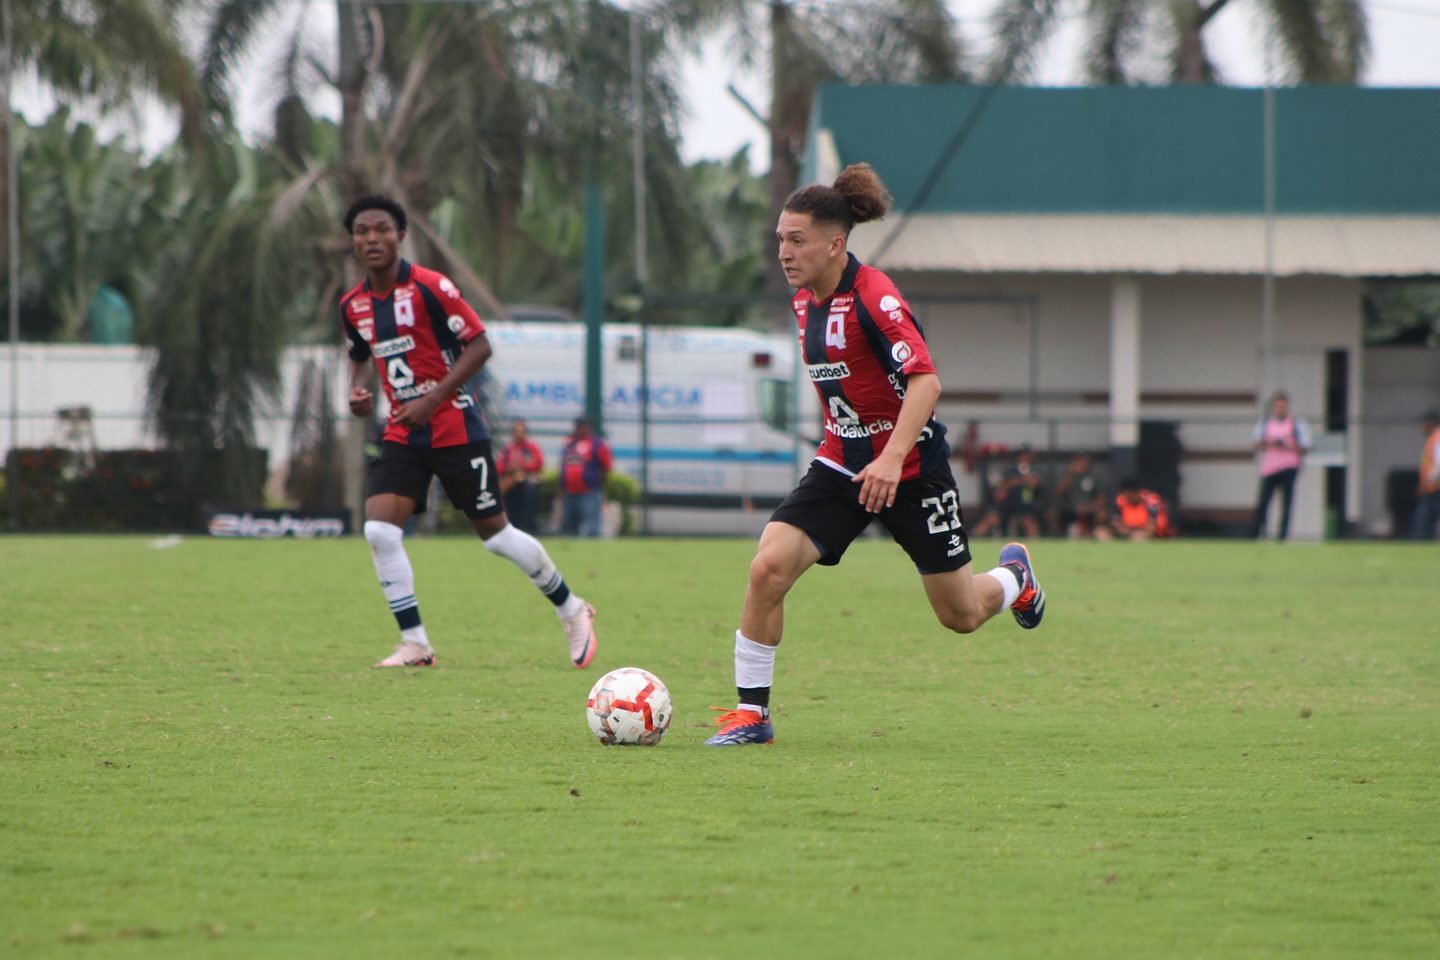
(467,472)
(925,518)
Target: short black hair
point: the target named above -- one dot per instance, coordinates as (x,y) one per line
(375,201)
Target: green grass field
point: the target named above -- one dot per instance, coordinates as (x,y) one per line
(1207,750)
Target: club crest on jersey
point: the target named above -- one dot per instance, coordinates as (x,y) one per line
(888,303)
(828,371)
(389,348)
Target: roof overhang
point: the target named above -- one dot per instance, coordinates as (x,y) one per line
(1344,246)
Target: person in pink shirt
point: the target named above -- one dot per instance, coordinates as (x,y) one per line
(1281,440)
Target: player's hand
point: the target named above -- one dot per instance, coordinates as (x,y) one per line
(878,481)
(417,412)
(362,402)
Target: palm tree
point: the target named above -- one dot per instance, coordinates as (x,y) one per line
(109,52)
(1319,41)
(94,213)
(467,112)
(881,41)
(219,303)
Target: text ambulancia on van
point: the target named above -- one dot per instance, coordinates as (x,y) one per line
(725,425)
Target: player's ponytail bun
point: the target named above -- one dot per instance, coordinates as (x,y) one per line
(858,196)
(863,190)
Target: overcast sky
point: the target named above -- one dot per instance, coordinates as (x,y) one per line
(1405,52)
(1404,39)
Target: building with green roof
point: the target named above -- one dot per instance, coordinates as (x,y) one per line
(1094,264)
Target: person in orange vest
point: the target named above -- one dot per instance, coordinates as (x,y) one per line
(1140,514)
(1427,500)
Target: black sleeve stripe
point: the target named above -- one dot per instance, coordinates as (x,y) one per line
(439,319)
(879,345)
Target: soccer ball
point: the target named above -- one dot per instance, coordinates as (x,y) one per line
(629,706)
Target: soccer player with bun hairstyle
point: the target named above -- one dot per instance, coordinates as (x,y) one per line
(884,455)
(411,325)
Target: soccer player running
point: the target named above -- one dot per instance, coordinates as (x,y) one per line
(427,342)
(883,455)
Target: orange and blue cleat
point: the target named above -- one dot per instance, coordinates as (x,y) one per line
(741,727)
(1029,607)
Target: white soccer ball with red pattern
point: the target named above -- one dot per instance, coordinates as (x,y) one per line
(629,706)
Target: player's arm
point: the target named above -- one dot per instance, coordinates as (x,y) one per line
(361,368)
(362,401)
(417,412)
(881,476)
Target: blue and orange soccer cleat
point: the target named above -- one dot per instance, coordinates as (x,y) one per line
(1029,607)
(741,727)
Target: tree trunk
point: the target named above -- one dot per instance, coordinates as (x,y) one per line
(352,100)
(5,187)
(1191,63)
(789,117)
(7,79)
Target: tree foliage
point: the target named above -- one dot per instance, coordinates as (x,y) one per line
(804,45)
(1160,41)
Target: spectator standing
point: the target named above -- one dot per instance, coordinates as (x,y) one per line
(520,464)
(1427,499)
(1281,439)
(584,465)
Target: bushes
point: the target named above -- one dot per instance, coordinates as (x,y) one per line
(620,489)
(120,490)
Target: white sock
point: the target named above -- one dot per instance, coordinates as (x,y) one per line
(397,578)
(754,663)
(1006,578)
(529,555)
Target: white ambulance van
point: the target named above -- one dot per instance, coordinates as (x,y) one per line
(727,426)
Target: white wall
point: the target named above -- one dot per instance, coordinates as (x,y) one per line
(1200,344)
(113,382)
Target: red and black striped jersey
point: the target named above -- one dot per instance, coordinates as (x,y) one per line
(861,346)
(415,331)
